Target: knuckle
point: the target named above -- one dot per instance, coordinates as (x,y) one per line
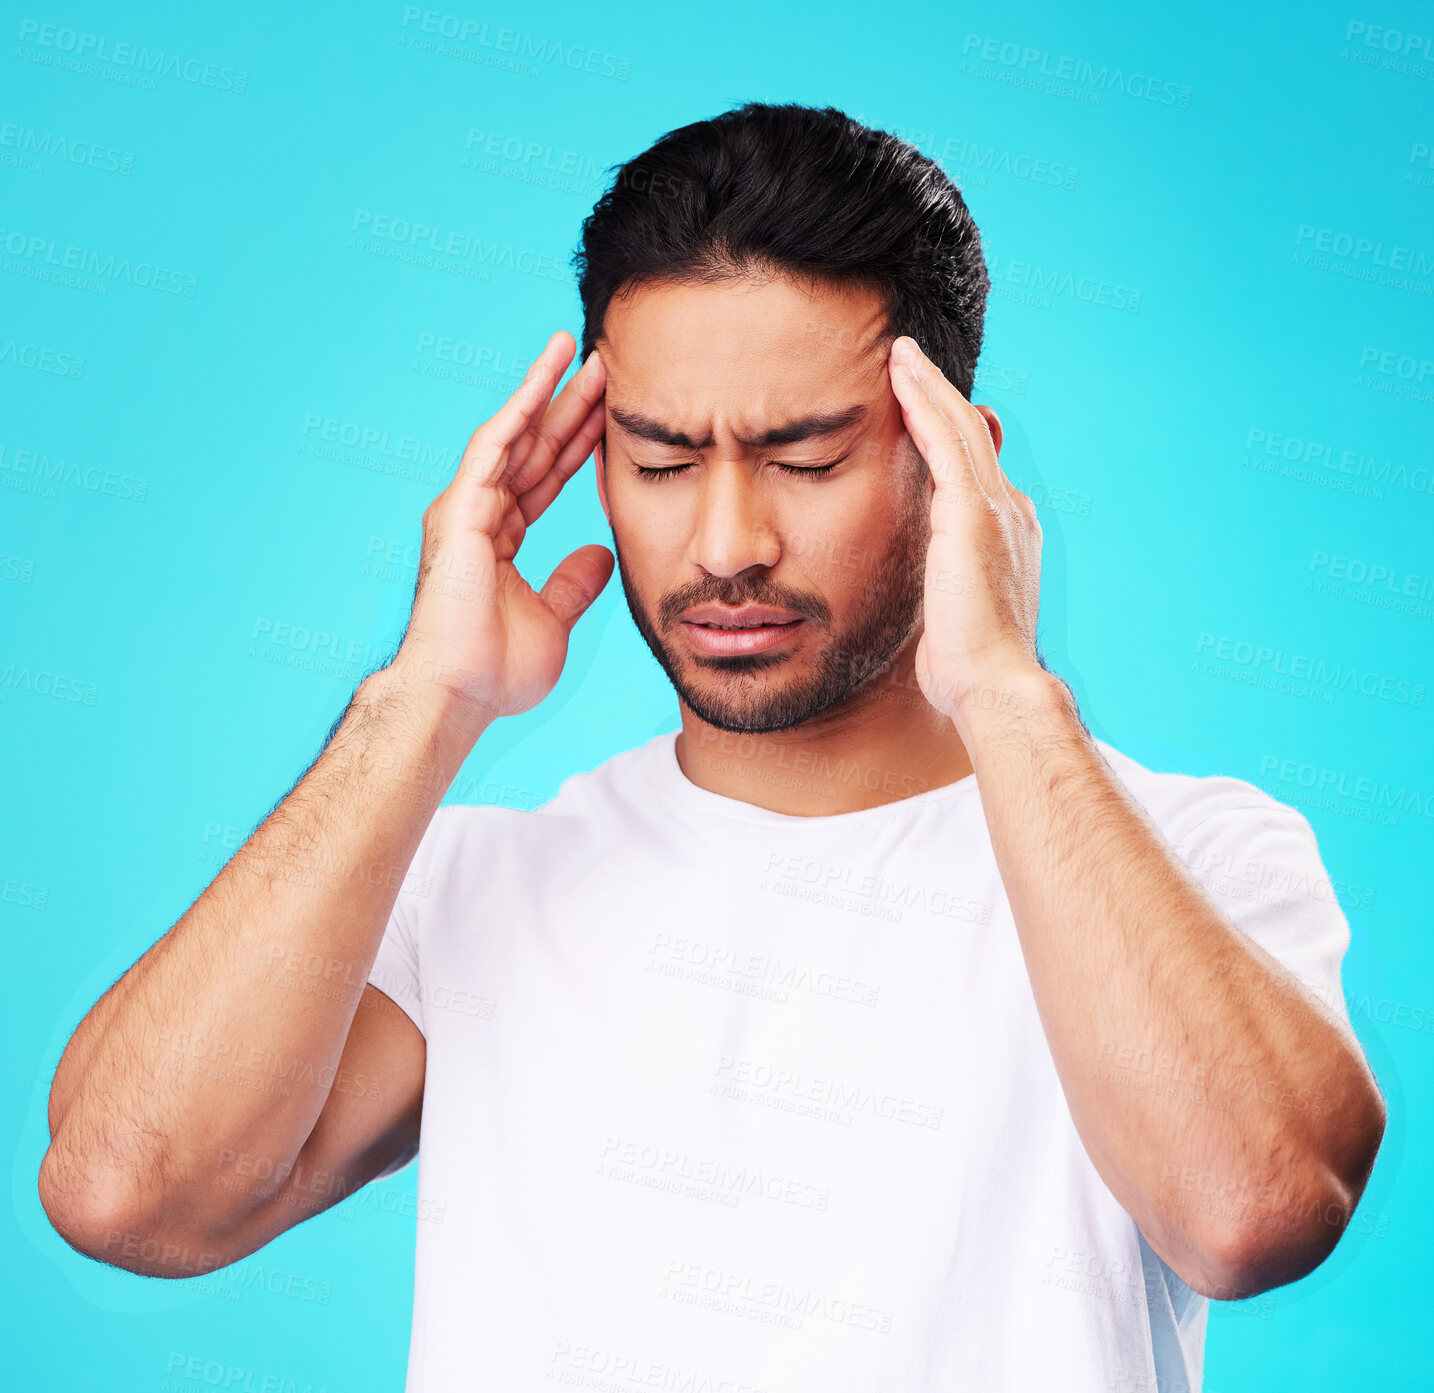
(547,437)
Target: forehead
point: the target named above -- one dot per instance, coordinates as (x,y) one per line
(748,352)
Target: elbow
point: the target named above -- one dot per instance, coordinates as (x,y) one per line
(1366,1136)
(1274,1242)
(1244,1263)
(1273,1247)
(92,1217)
(102,1216)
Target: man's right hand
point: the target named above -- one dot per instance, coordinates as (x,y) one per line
(478,631)
(159,1161)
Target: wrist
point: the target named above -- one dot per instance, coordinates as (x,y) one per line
(428,705)
(1023,695)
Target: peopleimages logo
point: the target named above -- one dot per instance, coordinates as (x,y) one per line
(234,1378)
(1032,64)
(1045,282)
(1398,41)
(467,247)
(1383,575)
(85,50)
(1304,667)
(43,254)
(40,357)
(32,148)
(1391,257)
(1333,459)
(514,45)
(1339,783)
(534,154)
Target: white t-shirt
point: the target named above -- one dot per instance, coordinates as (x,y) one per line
(721,1100)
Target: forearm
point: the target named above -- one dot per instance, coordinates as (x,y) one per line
(1257,1095)
(222,1041)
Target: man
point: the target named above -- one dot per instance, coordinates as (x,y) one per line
(879,1029)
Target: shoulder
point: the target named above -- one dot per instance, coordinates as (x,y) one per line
(1259,860)
(487,853)
(590,799)
(1180,803)
(618,782)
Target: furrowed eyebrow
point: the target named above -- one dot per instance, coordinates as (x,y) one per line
(806,428)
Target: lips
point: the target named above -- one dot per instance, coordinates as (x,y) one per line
(720,631)
(744,617)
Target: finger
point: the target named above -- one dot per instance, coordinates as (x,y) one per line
(966,424)
(537,448)
(963,418)
(486,458)
(576,581)
(942,446)
(570,459)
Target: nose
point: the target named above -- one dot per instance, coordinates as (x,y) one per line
(734,528)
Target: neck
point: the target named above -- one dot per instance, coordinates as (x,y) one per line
(884,744)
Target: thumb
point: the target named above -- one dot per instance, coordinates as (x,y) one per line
(577,580)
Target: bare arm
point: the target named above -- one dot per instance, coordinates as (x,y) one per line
(1125,951)
(204,1070)
(1276,1109)
(242,1076)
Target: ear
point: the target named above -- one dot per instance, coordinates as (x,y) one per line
(600,467)
(993,423)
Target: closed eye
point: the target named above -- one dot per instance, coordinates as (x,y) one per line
(667,473)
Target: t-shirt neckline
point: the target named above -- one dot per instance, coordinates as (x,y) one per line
(679,790)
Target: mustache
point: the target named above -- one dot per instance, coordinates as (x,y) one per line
(734,592)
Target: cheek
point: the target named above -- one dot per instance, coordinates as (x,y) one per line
(838,537)
(649,531)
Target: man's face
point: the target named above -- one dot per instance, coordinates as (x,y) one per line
(726,366)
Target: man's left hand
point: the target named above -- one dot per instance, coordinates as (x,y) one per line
(983,565)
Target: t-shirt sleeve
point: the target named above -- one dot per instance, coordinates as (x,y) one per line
(397,966)
(1259,860)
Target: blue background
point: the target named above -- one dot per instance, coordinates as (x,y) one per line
(204,568)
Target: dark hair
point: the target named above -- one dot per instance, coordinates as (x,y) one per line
(798,190)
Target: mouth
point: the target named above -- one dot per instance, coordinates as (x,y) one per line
(724,632)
